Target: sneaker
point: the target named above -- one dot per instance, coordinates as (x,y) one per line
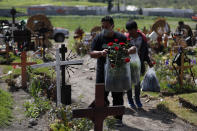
(138,103)
(118,123)
(132,105)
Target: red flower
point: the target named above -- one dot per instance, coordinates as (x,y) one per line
(110,44)
(112,65)
(14,66)
(153,62)
(116,48)
(128,38)
(127,59)
(121,43)
(116,40)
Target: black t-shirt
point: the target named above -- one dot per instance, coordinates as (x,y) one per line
(97,44)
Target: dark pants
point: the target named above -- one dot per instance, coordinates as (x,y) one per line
(137,92)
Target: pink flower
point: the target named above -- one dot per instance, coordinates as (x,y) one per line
(127,59)
(110,43)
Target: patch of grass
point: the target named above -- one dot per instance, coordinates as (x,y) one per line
(153,94)
(24,3)
(173,105)
(190,98)
(6,102)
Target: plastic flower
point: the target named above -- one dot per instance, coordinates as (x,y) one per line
(110,44)
(127,59)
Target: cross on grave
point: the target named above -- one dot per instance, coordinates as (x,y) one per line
(23,65)
(181,68)
(66,89)
(7,50)
(57,65)
(98,113)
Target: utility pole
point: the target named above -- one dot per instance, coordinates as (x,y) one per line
(118,5)
(110,5)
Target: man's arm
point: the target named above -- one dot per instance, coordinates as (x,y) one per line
(97,54)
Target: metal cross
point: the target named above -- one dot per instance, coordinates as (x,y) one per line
(57,65)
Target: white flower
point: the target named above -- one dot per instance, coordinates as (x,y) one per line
(9,72)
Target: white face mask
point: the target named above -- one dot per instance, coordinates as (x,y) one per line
(106,32)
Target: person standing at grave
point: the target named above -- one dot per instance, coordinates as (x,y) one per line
(97,51)
(137,39)
(185,31)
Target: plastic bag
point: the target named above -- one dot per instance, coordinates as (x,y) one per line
(150,82)
(135,68)
(117,79)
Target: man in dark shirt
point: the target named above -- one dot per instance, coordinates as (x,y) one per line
(97,51)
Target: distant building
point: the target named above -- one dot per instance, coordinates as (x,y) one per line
(66,10)
(167,12)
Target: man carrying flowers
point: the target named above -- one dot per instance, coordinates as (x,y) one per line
(113,41)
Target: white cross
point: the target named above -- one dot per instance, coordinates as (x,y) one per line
(57,64)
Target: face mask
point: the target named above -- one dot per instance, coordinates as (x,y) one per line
(106,32)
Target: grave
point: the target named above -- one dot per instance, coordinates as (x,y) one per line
(23,65)
(57,65)
(98,113)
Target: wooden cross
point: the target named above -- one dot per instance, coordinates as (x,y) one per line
(98,113)
(181,68)
(57,64)
(23,65)
(7,50)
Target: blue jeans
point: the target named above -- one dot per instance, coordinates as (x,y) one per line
(137,93)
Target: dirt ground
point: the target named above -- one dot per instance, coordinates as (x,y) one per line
(83,89)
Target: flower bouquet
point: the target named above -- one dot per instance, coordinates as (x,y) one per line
(117,69)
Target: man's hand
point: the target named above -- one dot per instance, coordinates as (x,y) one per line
(104,52)
(132,50)
(151,64)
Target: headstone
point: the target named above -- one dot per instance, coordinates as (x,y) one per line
(98,113)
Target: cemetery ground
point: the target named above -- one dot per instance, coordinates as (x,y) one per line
(172,109)
(176,111)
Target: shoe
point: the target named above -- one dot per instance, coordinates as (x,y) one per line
(138,103)
(118,123)
(132,105)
